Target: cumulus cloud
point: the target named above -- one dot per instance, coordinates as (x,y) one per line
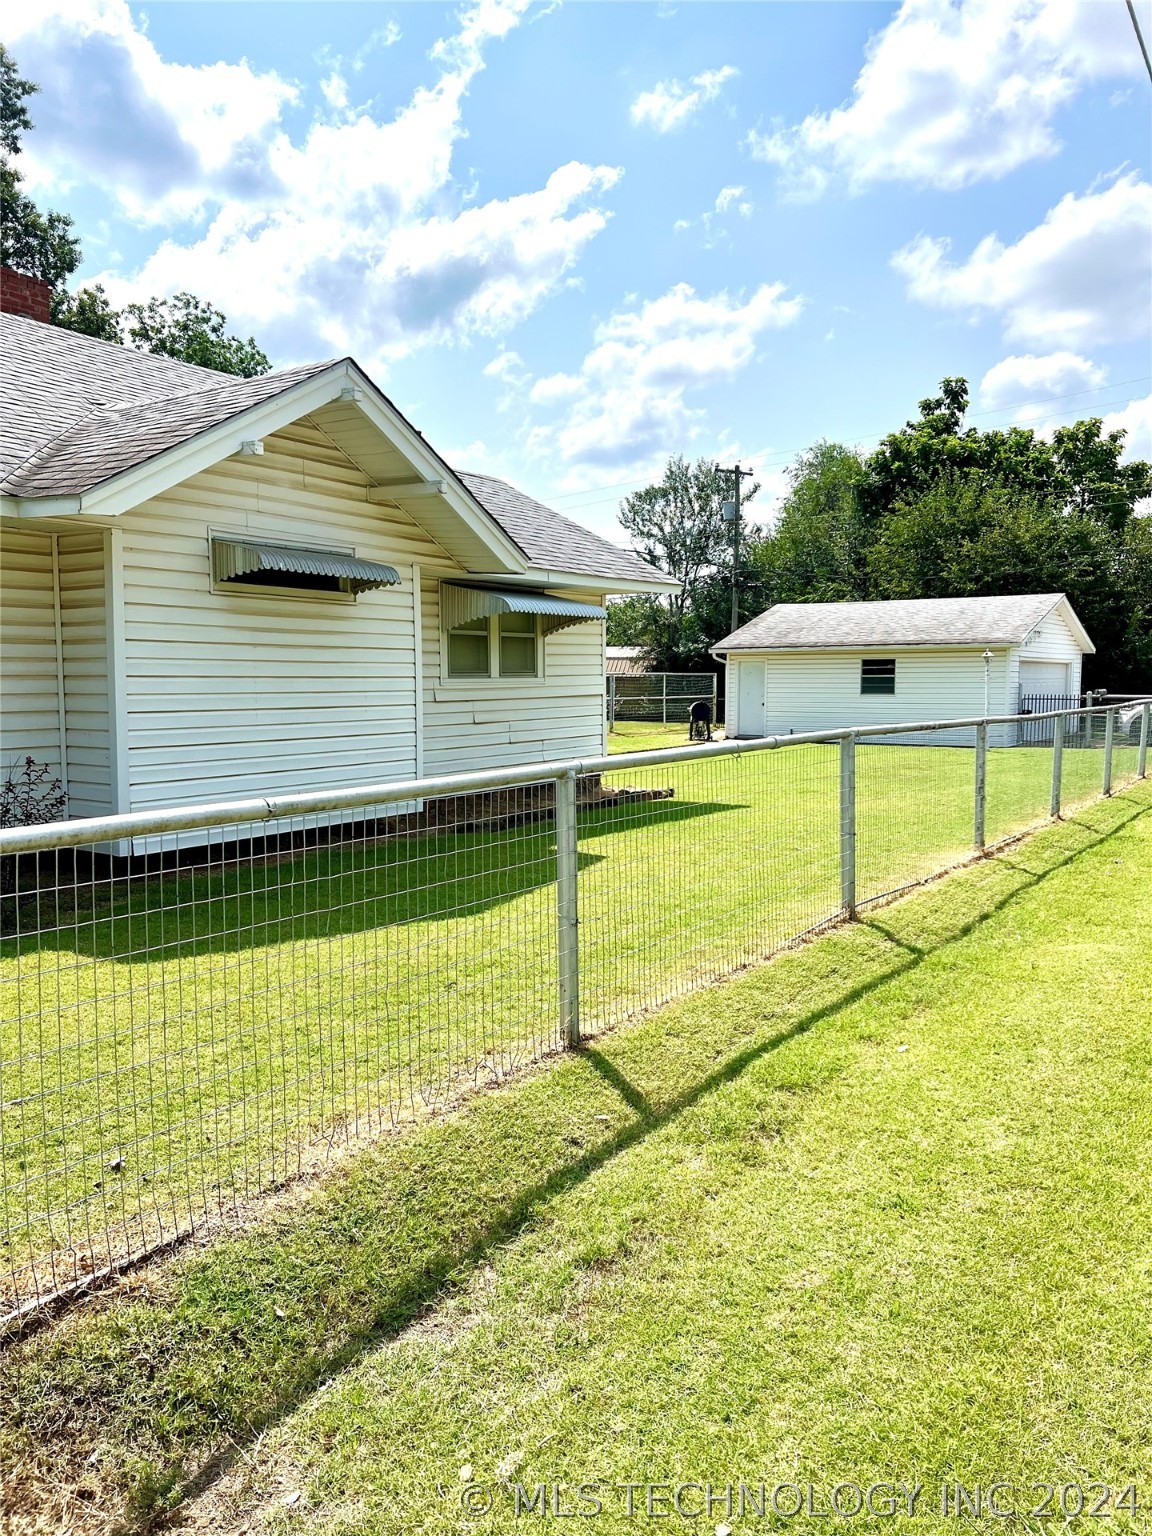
(1030,380)
(951,94)
(1081,277)
(1135,419)
(350,235)
(164,137)
(626,404)
(670,104)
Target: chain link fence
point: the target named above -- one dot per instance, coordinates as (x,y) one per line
(196,1006)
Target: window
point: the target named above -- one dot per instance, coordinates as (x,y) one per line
(517,645)
(878,676)
(468,649)
(498,645)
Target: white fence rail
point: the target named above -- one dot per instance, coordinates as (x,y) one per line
(185,1027)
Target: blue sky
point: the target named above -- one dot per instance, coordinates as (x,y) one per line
(572,239)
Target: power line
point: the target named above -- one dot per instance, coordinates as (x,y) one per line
(1140,38)
(785,456)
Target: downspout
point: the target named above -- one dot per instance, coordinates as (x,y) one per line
(61,703)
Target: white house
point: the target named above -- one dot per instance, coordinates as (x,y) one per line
(213,587)
(822,666)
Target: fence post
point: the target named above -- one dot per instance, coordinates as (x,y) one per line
(1109,733)
(611,702)
(1142,758)
(1057,767)
(567,912)
(664,699)
(848,825)
(981,787)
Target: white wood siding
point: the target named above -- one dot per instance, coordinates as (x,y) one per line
(29,698)
(820,690)
(233,694)
(499,721)
(85,650)
(1050,641)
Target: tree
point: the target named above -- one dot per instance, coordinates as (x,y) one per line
(89,312)
(677,525)
(40,244)
(187,328)
(817,550)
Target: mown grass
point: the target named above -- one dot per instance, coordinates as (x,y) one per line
(876,1211)
(176,1043)
(650,735)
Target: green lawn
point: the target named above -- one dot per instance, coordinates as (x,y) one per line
(874,1213)
(181,1042)
(648,735)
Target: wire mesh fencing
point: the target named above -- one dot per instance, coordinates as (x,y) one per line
(196,1006)
(661,697)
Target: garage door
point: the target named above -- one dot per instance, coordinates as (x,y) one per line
(1043,677)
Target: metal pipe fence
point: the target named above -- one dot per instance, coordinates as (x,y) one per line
(664,697)
(198,1004)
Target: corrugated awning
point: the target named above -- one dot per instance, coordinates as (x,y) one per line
(235,558)
(460,605)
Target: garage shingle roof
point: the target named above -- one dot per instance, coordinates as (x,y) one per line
(78,411)
(914,621)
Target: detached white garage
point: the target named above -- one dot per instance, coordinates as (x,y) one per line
(823,666)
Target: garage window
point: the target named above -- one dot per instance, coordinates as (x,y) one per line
(878,676)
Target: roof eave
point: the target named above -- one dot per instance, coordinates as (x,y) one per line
(151,477)
(603,582)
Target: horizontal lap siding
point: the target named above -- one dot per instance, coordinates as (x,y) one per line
(232,694)
(821,692)
(29,701)
(1051,640)
(84,632)
(497,722)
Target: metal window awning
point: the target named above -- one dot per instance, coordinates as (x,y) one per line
(234,559)
(460,605)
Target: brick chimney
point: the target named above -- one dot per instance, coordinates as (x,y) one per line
(23,295)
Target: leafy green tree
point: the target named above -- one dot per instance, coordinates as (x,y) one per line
(677,525)
(39,244)
(88,311)
(192,330)
(817,550)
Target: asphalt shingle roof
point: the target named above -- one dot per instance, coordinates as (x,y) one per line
(552,541)
(77,412)
(914,621)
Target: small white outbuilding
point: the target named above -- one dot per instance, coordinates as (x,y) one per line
(823,666)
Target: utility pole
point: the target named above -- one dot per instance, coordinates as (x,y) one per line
(730,511)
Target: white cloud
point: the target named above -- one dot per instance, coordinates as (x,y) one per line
(351,235)
(626,405)
(670,103)
(951,94)
(1135,418)
(1030,380)
(1081,277)
(164,137)
(727,198)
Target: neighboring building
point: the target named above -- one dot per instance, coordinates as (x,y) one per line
(625,661)
(216,587)
(822,666)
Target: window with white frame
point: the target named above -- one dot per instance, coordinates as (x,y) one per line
(501,645)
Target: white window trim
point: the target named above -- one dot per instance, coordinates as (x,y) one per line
(494,674)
